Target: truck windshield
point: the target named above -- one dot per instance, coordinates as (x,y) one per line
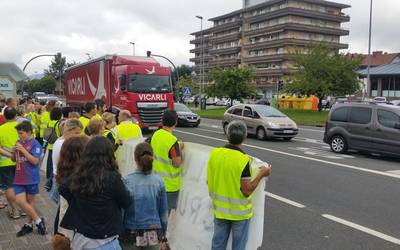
(149,83)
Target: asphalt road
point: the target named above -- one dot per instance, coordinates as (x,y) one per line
(316,199)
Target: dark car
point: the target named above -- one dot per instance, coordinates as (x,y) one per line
(185,116)
(364,127)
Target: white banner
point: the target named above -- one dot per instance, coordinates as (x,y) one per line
(191,227)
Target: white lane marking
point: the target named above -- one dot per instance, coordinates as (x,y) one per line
(309,140)
(394,172)
(313,130)
(303,157)
(210,125)
(322,153)
(363,229)
(287,201)
(208,130)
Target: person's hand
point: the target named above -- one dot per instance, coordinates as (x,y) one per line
(119,142)
(266,170)
(20,148)
(181,145)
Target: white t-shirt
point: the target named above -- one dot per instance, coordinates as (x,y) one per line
(56,153)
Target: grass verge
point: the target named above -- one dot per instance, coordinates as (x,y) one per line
(301,117)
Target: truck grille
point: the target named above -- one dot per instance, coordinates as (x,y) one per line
(151,116)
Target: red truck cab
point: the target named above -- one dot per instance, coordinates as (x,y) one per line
(138,84)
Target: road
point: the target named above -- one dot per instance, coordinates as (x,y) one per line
(316,199)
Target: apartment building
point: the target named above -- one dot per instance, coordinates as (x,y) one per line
(264,33)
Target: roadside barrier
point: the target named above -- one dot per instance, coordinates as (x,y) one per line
(191,226)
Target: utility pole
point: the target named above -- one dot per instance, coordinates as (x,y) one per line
(201,59)
(133,47)
(369,50)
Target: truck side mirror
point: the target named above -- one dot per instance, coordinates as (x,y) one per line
(122,82)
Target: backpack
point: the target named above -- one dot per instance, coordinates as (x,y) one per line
(50,134)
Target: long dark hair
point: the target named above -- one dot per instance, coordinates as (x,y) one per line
(97,162)
(144,157)
(70,154)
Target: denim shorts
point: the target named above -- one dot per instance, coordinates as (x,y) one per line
(172,198)
(28,189)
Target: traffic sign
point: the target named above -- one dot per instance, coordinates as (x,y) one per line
(187,91)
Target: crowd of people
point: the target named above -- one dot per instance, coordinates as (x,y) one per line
(97,208)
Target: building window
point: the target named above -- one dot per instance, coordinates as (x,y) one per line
(374,87)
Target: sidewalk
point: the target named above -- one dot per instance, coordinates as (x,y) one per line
(34,241)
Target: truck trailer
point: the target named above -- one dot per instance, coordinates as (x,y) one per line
(138,84)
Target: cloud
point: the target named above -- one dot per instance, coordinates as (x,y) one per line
(102,27)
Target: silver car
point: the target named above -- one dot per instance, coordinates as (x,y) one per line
(263,121)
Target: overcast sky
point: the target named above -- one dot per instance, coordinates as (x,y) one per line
(103,27)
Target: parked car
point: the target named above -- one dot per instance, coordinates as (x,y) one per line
(341,99)
(262,121)
(37,95)
(211,100)
(186,117)
(395,102)
(263,101)
(222,102)
(364,127)
(235,102)
(380,99)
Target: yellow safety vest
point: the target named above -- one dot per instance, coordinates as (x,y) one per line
(128,130)
(161,142)
(52,124)
(31,116)
(107,132)
(44,120)
(97,116)
(85,121)
(224,170)
(8,139)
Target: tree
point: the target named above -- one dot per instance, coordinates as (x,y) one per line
(184,70)
(234,83)
(47,84)
(57,67)
(323,72)
(187,81)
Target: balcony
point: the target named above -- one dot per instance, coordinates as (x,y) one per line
(297,27)
(225,62)
(262,72)
(198,40)
(226,50)
(198,58)
(297,12)
(290,42)
(226,26)
(226,38)
(265,58)
(198,49)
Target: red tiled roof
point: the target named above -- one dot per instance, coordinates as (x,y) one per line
(377,58)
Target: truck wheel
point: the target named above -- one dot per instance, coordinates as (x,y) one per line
(261,133)
(338,144)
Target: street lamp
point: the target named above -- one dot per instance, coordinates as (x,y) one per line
(173,65)
(369,49)
(201,58)
(30,60)
(133,47)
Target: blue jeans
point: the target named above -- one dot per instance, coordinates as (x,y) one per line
(222,229)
